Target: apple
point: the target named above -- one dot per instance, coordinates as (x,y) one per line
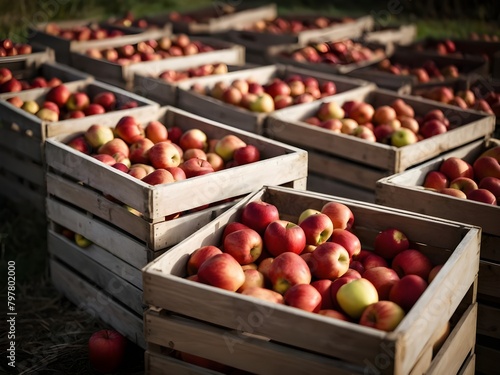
(158,177)
(286,270)
(348,240)
(278,87)
(194,153)
(336,284)
(5,75)
(348,126)
(384,114)
(486,166)
(409,123)
(227,146)
(323,287)
(128,129)
(284,236)
(362,113)
(258,214)
(407,291)
(357,266)
(77,101)
(355,296)
(47,114)
(329,260)
(317,228)
(440,337)
(80,143)
(434,272)
(412,262)
(156,131)
(215,161)
(492,184)
(52,106)
(30,106)
(432,127)
(453,193)
(97,135)
(164,155)
(106,99)
(334,125)
(16,101)
(403,137)
(196,167)
(334,314)
(263,103)
(82,241)
(253,278)
(373,260)
(436,180)
(121,167)
(222,271)
(382,278)
(113,147)
(330,110)
(402,108)
(193,138)
(313,120)
(390,242)
(232,95)
(246,155)
(106,350)
(138,151)
(59,95)
(264,294)
(177,173)
(383,315)
(303,296)
(197,257)
(245,245)
(465,184)
(340,215)
(454,167)
(105,158)
(383,133)
(483,196)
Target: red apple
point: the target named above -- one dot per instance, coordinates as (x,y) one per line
(138,151)
(245,245)
(323,287)
(286,270)
(435,180)
(453,193)
(329,261)
(253,278)
(105,158)
(412,262)
(317,228)
(59,95)
(434,272)
(373,260)
(106,350)
(197,257)
(390,242)
(432,127)
(454,167)
(258,214)
(348,240)
(246,155)
(113,147)
(362,113)
(193,138)
(334,314)
(465,184)
(194,153)
(78,101)
(164,155)
(215,161)
(156,131)
(492,184)
(486,166)
(407,291)
(106,99)
(129,129)
(284,236)
(80,143)
(177,173)
(264,294)
(383,278)
(159,177)
(382,315)
(196,167)
(483,196)
(222,271)
(303,296)
(340,215)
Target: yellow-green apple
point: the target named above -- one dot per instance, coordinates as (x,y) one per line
(264,294)
(80,143)
(197,257)
(106,99)
(196,167)
(433,127)
(412,262)
(453,193)
(105,158)
(107,350)
(355,296)
(114,146)
(156,131)
(177,172)
(193,138)
(82,241)
(465,184)
(383,133)
(364,132)
(330,110)
(434,272)
(483,196)
(494,152)
(403,137)
(407,291)
(306,213)
(334,125)
(286,270)
(348,240)
(138,151)
(47,114)
(334,288)
(164,155)
(402,108)
(218,89)
(340,215)
(128,129)
(390,242)
(247,99)
(334,314)
(317,228)
(246,155)
(227,146)
(258,214)
(362,113)
(384,114)
(348,126)
(158,177)
(284,236)
(373,260)
(383,315)
(323,287)
(253,278)
(263,103)
(97,135)
(329,260)
(435,180)
(222,271)
(194,153)
(454,167)
(303,296)
(215,161)
(30,106)
(59,95)
(16,101)
(382,278)
(486,166)
(492,184)
(245,245)
(77,101)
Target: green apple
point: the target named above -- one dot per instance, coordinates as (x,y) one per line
(402,137)
(355,296)
(82,241)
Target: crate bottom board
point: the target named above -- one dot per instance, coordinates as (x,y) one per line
(97,303)
(452,357)
(330,186)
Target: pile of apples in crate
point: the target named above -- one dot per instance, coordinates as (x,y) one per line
(171,75)
(277,94)
(92,31)
(479,181)
(280,25)
(428,72)
(316,263)
(9,83)
(394,124)
(10,48)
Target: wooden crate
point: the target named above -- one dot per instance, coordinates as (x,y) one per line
(39,55)
(62,47)
(329,185)
(242,118)
(373,160)
(481,87)
(123,76)
(47,70)
(281,336)
(279,164)
(398,35)
(468,67)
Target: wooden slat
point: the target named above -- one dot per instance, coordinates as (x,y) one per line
(157,364)
(469,367)
(487,360)
(20,193)
(488,320)
(21,143)
(489,279)
(25,169)
(490,247)
(331,186)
